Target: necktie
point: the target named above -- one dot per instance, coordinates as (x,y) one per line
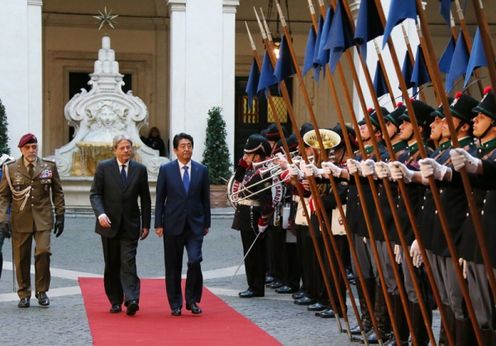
(123,175)
(31,170)
(186,179)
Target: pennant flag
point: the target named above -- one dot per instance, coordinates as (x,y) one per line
(323,53)
(316,65)
(446,58)
(458,63)
(340,37)
(420,75)
(380,86)
(445,10)
(284,67)
(407,71)
(308,62)
(251,86)
(267,78)
(368,25)
(477,57)
(398,12)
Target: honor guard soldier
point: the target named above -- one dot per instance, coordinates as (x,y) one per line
(253,212)
(31,187)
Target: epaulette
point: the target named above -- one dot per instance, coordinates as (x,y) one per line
(48,160)
(9,162)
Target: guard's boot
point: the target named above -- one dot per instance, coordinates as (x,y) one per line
(487,336)
(365,316)
(419,324)
(464,333)
(381,315)
(450,322)
(400,320)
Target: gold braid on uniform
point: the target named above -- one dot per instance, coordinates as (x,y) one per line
(17,195)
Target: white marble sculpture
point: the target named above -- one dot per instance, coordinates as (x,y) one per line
(99,115)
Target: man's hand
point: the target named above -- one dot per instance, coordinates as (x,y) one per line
(430,167)
(367,167)
(400,172)
(5,229)
(463,264)
(353,166)
(159,231)
(59,225)
(144,233)
(460,158)
(397,254)
(104,221)
(415,254)
(382,170)
(262,225)
(331,168)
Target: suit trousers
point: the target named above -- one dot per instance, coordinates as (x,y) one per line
(120,277)
(22,242)
(174,248)
(480,294)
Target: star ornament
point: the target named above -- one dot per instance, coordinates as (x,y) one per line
(106,18)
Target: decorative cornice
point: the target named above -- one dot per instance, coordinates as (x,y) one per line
(230,6)
(35,3)
(177,5)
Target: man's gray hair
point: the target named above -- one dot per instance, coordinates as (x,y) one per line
(119,138)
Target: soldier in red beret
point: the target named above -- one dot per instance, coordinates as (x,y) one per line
(31,187)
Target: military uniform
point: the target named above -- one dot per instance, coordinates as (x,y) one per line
(30,198)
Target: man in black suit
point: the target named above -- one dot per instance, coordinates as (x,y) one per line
(182,216)
(117,184)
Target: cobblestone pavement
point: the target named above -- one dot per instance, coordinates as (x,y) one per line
(78,253)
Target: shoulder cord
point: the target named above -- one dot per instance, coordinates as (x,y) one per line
(17,195)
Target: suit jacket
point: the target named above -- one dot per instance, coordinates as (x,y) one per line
(109,196)
(45,189)
(174,207)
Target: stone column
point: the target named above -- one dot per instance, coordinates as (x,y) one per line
(201,66)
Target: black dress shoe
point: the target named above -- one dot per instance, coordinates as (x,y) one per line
(316,307)
(269,279)
(373,339)
(285,289)
(176,312)
(195,309)
(23,303)
(275,284)
(304,301)
(327,313)
(357,331)
(298,295)
(42,299)
(115,309)
(132,307)
(249,294)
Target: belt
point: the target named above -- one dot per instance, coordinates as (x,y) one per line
(249,202)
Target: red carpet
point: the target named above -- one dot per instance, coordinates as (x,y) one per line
(153,324)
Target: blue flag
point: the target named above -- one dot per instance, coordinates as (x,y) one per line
(267,78)
(420,75)
(458,63)
(445,10)
(323,53)
(309,51)
(398,12)
(380,86)
(340,37)
(477,57)
(284,67)
(445,61)
(407,71)
(317,66)
(368,25)
(251,86)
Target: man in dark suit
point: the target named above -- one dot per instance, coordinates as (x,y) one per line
(117,184)
(182,216)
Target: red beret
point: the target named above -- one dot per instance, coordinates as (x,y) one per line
(27,139)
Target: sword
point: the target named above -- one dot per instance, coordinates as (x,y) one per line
(246,255)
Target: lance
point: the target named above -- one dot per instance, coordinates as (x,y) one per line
(432,184)
(285,93)
(466,183)
(486,39)
(321,214)
(467,39)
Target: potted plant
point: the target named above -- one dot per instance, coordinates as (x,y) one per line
(216,157)
(4,138)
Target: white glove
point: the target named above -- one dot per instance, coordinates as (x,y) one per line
(415,254)
(293,170)
(367,167)
(382,170)
(400,172)
(353,166)
(331,168)
(283,162)
(461,158)
(463,264)
(430,167)
(312,170)
(397,253)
